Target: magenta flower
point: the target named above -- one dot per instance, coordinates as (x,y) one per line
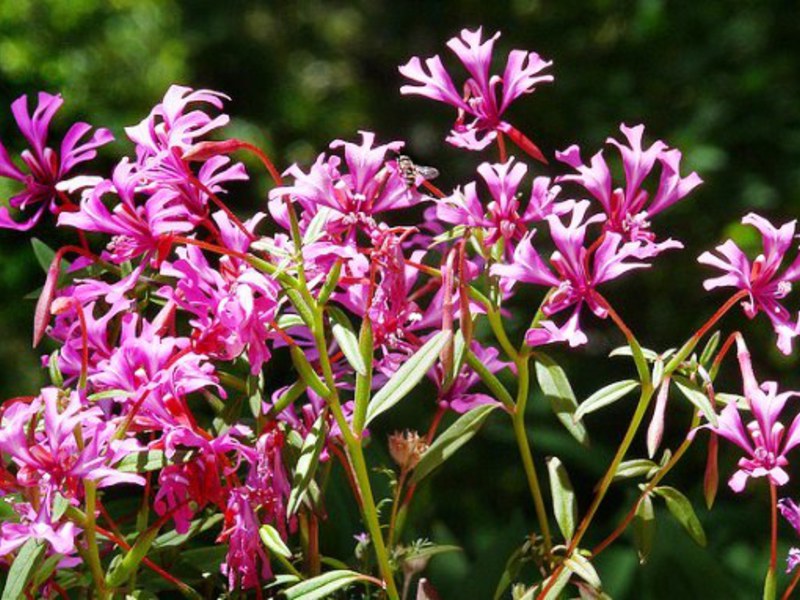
(486,97)
(501,217)
(765,440)
(138,227)
(791,512)
(577,273)
(368,184)
(60,536)
(630,210)
(45,166)
(760,279)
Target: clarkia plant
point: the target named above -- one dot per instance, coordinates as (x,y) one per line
(164,427)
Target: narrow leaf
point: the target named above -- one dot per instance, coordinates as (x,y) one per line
(682,510)
(407,376)
(698,398)
(580,565)
(565,506)
(637,467)
(346,337)
(455,436)
(141,462)
(307,373)
(644,528)
(605,396)
(322,586)
(130,562)
(307,463)
(557,390)
(363,390)
(273,541)
(21,569)
(711,347)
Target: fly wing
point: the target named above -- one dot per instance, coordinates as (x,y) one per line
(427,172)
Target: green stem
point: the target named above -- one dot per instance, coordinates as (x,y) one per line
(92,551)
(496,323)
(355,454)
(518,419)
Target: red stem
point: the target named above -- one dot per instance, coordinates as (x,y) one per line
(788,593)
(501,147)
(773,550)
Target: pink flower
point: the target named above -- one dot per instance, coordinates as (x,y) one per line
(486,97)
(501,217)
(369,184)
(765,439)
(760,279)
(791,512)
(577,273)
(41,525)
(138,227)
(629,211)
(45,166)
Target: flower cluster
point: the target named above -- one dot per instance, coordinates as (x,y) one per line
(171,334)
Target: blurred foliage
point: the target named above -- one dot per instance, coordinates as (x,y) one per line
(718,79)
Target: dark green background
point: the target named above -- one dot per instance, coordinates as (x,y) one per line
(720,80)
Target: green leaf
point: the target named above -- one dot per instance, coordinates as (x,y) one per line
(366,348)
(557,390)
(770,585)
(307,463)
(430,550)
(272,540)
(21,569)
(605,396)
(513,566)
(682,510)
(644,528)
(650,355)
(149,460)
(307,373)
(45,255)
(173,538)
(451,439)
(711,347)
(565,506)
(580,565)
(322,586)
(289,320)
(407,376)
(347,339)
(555,591)
(698,398)
(634,468)
(131,560)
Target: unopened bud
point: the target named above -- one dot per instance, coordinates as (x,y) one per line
(406,448)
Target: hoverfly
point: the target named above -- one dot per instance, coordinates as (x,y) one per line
(409,171)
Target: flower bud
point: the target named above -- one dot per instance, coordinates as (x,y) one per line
(406,448)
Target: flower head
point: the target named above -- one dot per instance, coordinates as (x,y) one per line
(577,274)
(486,97)
(44,167)
(629,210)
(765,439)
(765,286)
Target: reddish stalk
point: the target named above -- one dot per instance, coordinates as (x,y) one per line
(788,593)
(433,189)
(501,147)
(268,164)
(348,471)
(773,548)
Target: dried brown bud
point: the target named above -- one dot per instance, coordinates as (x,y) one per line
(406,448)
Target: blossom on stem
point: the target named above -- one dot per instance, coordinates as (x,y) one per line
(501,217)
(486,97)
(577,273)
(765,286)
(45,167)
(791,512)
(630,210)
(765,439)
(367,183)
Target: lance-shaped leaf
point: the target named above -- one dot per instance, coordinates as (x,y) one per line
(555,590)
(366,348)
(451,439)
(273,541)
(307,463)
(636,467)
(580,565)
(407,376)
(710,349)
(21,569)
(605,396)
(45,255)
(120,573)
(698,398)
(558,391)
(644,528)
(514,565)
(347,339)
(565,506)
(682,510)
(307,372)
(148,460)
(322,586)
